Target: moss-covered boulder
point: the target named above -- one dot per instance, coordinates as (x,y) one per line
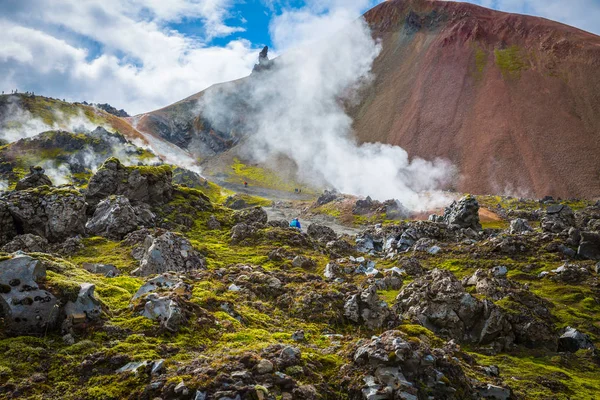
(152,185)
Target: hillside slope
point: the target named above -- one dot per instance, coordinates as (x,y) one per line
(512,100)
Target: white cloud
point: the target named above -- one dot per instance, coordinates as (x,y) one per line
(121,52)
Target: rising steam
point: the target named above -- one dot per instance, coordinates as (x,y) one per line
(295,110)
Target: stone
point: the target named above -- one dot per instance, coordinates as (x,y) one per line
(303,262)
(169,252)
(463,213)
(242,231)
(152,185)
(298,336)
(264,367)
(321,233)
(8,229)
(113,218)
(163,283)
(27,243)
(107,270)
(495,392)
(213,223)
(158,367)
(181,389)
(558,218)
(366,307)
(85,308)
(52,213)
(519,225)
(163,309)
(499,271)
(252,216)
(35,178)
(327,197)
(589,246)
(572,340)
(133,367)
(289,356)
(27,308)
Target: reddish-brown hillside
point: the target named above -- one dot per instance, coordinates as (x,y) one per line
(512,100)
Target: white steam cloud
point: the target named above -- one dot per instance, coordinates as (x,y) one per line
(296,111)
(18,123)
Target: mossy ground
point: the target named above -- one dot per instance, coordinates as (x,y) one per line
(86,369)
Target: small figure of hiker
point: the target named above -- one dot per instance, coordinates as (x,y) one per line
(295,224)
(245,184)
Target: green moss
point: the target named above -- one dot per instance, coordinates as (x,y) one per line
(511,61)
(262,177)
(574,375)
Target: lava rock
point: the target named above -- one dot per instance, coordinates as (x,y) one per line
(27,243)
(35,178)
(572,340)
(168,252)
(27,308)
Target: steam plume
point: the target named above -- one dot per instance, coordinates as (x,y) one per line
(296,111)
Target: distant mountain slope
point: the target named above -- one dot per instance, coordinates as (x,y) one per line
(513,101)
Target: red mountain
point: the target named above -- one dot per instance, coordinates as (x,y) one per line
(512,100)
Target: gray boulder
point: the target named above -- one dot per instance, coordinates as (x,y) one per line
(8,229)
(26,308)
(589,246)
(495,392)
(519,225)
(463,213)
(35,178)
(152,185)
(53,213)
(321,233)
(303,262)
(572,340)
(168,252)
(27,243)
(558,217)
(115,217)
(252,216)
(161,283)
(85,308)
(366,307)
(107,270)
(327,197)
(163,309)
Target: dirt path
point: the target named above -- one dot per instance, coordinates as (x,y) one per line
(287,212)
(271,194)
(287,206)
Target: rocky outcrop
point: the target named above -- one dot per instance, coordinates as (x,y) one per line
(107,270)
(27,243)
(367,308)
(168,252)
(558,218)
(254,216)
(35,178)
(589,246)
(25,307)
(519,225)
(572,340)
(439,302)
(327,197)
(8,229)
(463,213)
(115,217)
(85,308)
(321,233)
(55,214)
(163,299)
(400,369)
(152,185)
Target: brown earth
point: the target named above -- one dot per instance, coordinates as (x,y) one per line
(512,100)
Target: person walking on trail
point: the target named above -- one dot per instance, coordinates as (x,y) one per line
(245,184)
(295,224)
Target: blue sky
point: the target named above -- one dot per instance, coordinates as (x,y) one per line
(144,54)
